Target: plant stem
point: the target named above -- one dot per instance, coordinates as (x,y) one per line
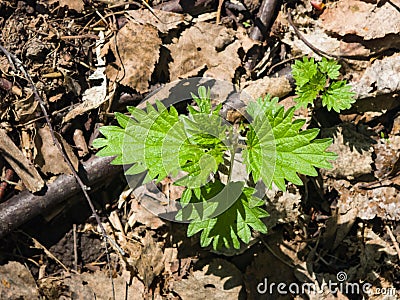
(234,139)
(232,151)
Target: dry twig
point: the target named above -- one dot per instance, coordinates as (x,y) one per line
(220,3)
(263,22)
(18,65)
(394,241)
(319,51)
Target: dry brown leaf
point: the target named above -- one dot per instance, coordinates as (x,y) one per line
(169,20)
(20,164)
(396,125)
(151,261)
(320,39)
(354,151)
(77,5)
(387,155)
(219,278)
(49,157)
(360,18)
(373,243)
(98,286)
(156,203)
(382,77)
(4,64)
(283,207)
(171,262)
(207,48)
(56,97)
(25,108)
(275,86)
(141,215)
(94,96)
(381,201)
(171,191)
(27,143)
(138,52)
(16,282)
(246,42)
(175,266)
(341,222)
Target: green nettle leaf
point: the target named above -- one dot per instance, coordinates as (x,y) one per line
(314,80)
(150,140)
(144,140)
(304,71)
(338,96)
(310,91)
(112,143)
(204,148)
(211,200)
(161,142)
(204,103)
(329,67)
(234,224)
(199,169)
(262,106)
(306,95)
(260,154)
(295,151)
(164,136)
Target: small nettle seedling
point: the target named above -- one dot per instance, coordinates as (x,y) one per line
(319,80)
(162,142)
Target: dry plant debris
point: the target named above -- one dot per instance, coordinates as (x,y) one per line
(134,59)
(367,20)
(89,59)
(218,277)
(205,49)
(20,164)
(49,158)
(17,282)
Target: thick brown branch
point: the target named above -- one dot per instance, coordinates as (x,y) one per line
(263,21)
(25,206)
(192,7)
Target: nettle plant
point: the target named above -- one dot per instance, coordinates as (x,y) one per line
(199,144)
(318,81)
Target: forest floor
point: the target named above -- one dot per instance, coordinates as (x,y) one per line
(83,60)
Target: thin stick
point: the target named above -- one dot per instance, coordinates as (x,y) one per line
(308,44)
(393,238)
(15,62)
(276,255)
(38,245)
(219,11)
(317,50)
(75,248)
(152,11)
(283,62)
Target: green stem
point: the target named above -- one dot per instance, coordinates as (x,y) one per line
(234,145)
(232,151)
